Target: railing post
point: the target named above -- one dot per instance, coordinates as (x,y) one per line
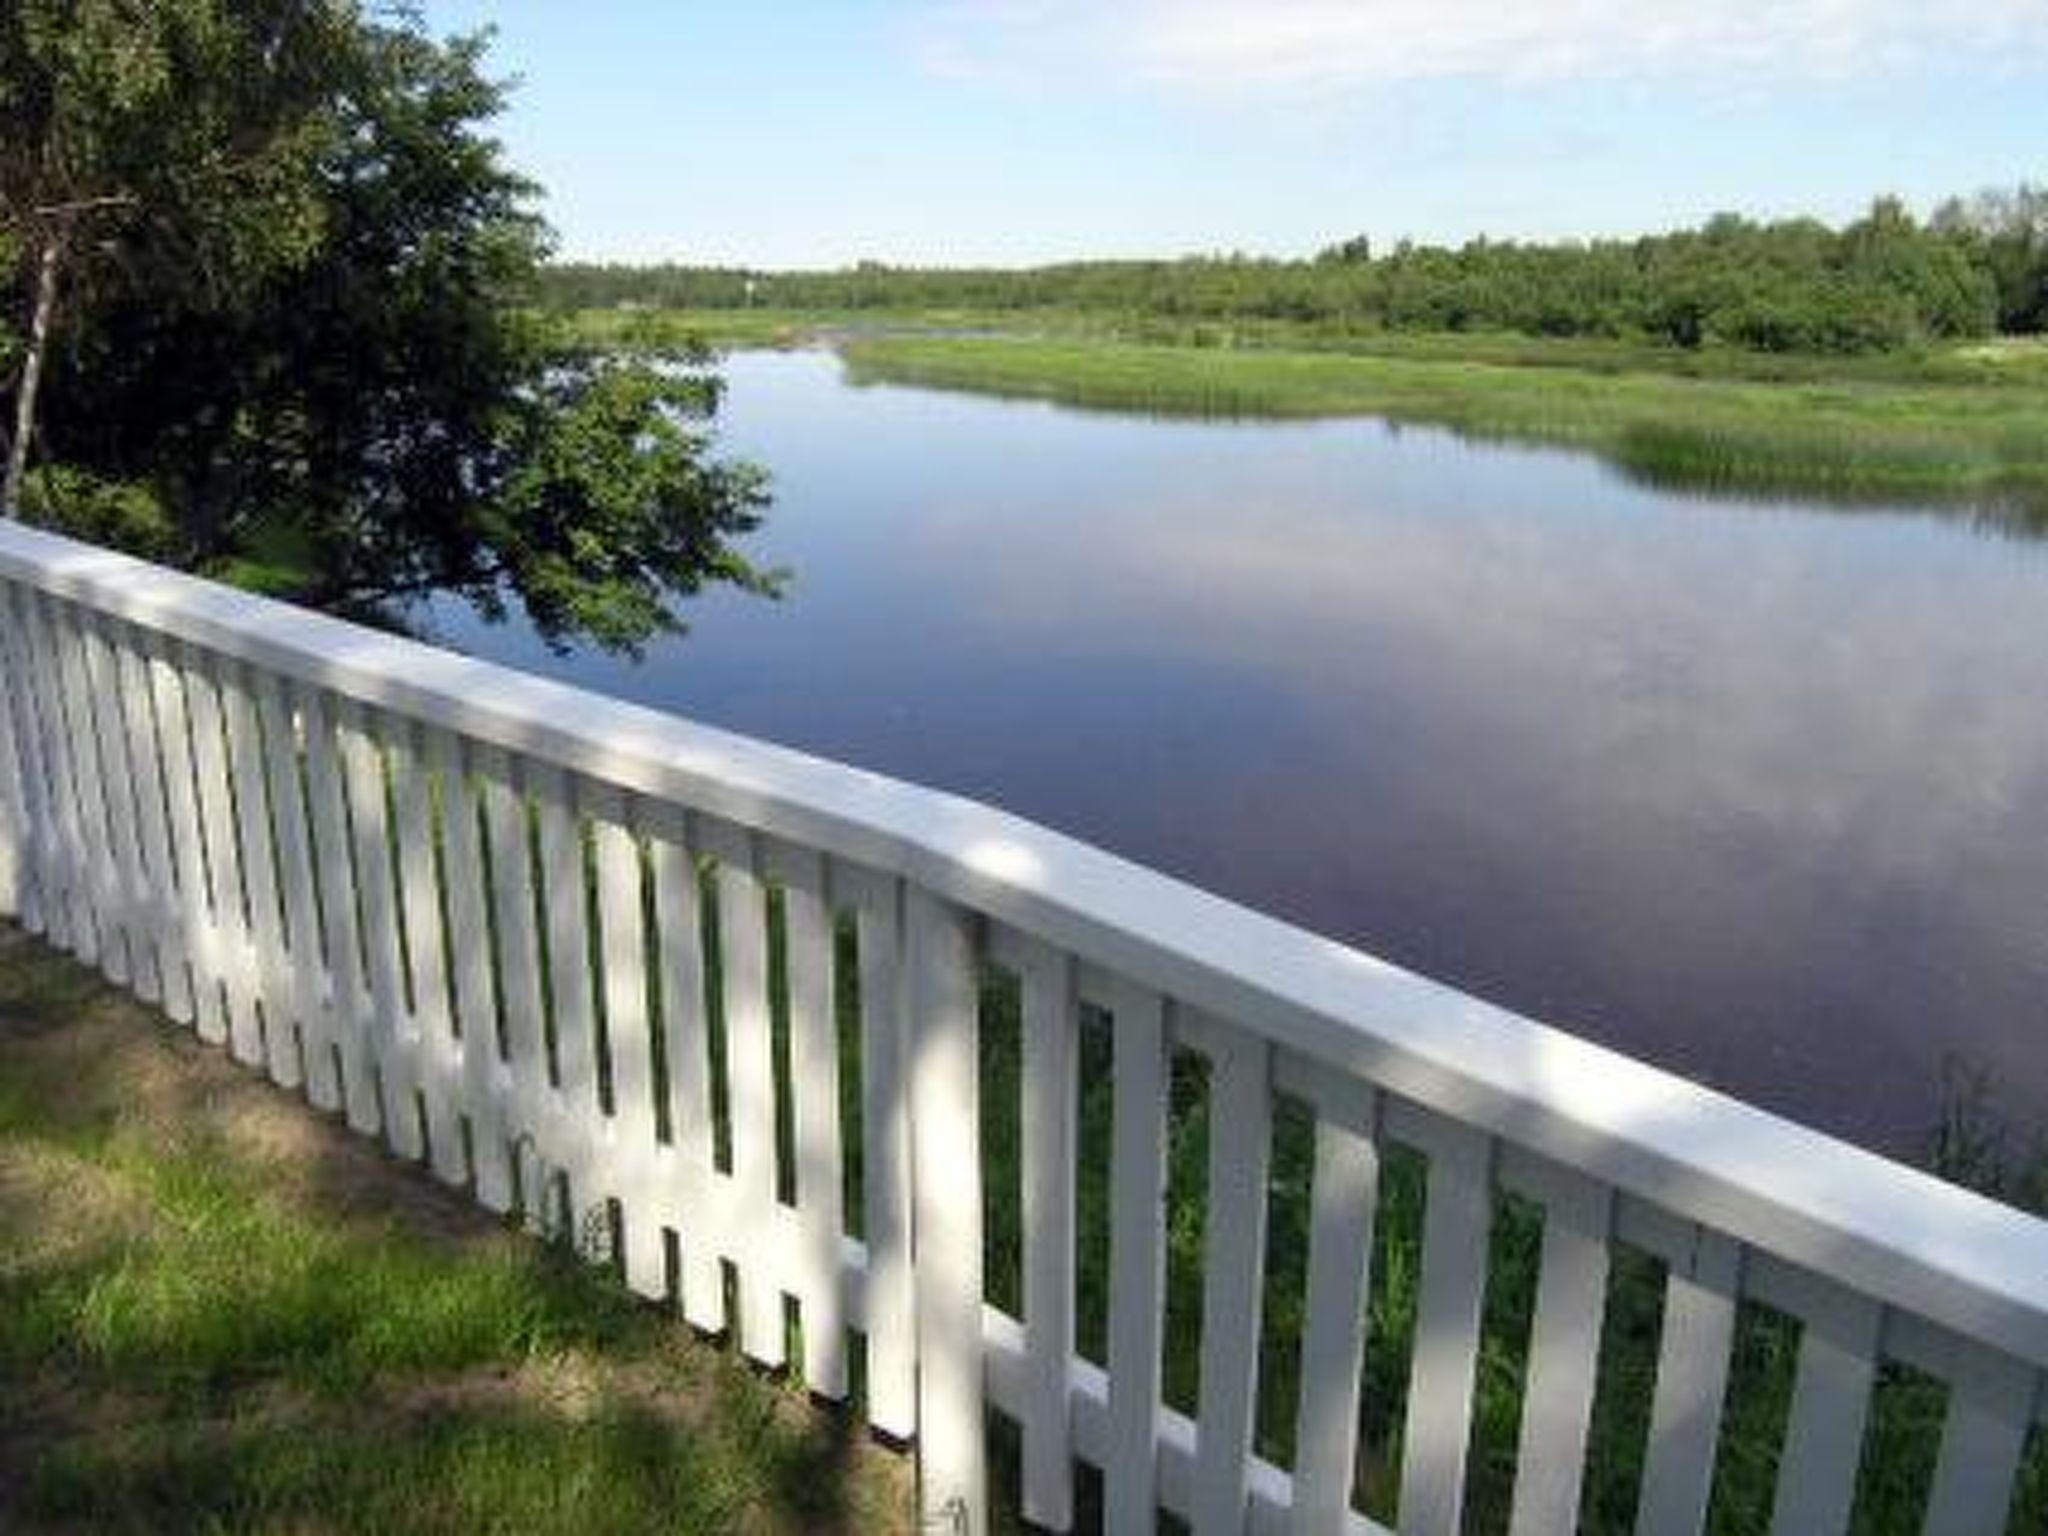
(27,854)
(946,1183)
(13,818)
(13,824)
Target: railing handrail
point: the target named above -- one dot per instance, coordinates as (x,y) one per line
(1887,1230)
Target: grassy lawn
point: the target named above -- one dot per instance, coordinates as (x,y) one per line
(219,1311)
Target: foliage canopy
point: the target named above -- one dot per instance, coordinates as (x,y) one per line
(283,278)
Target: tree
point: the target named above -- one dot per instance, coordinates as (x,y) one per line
(302,331)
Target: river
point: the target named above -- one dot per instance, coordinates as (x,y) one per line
(1758,792)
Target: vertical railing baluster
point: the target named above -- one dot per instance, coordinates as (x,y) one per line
(1233,1278)
(335,872)
(887,1085)
(1983,1437)
(200,939)
(1137,1256)
(687,1037)
(1344,1198)
(17,884)
(223,858)
(436,1052)
(1692,1384)
(750,1076)
(572,999)
(314,994)
(363,770)
(1831,1392)
(117,784)
(521,1011)
(95,934)
(153,833)
(814,1095)
(945,1124)
(1049,1109)
(483,1094)
(634,1144)
(258,821)
(74,928)
(1458,1210)
(42,905)
(1564,1352)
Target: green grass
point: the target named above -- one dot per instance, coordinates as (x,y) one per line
(1961,431)
(219,1313)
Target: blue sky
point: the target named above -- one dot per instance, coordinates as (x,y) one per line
(800,133)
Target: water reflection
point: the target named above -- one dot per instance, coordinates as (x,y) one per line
(1758,793)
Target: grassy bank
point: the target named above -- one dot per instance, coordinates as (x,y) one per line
(1966,425)
(220,1312)
(1965,428)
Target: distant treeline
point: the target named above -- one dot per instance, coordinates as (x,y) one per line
(1977,267)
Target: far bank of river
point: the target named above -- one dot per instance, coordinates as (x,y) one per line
(1965,426)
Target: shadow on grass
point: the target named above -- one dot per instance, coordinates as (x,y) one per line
(218,1311)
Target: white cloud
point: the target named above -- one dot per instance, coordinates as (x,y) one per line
(1329,44)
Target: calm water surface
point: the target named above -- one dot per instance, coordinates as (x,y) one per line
(1757,793)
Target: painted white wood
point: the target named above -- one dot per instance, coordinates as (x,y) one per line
(15,882)
(565,878)
(750,1077)
(1345,1195)
(334,870)
(117,783)
(622,928)
(1456,1222)
(946,1130)
(1049,1107)
(1692,1383)
(437,1054)
(304,946)
(1564,1356)
(255,820)
(1816,1487)
(153,837)
(85,808)
(377,892)
(1137,1255)
(1984,1435)
(70,917)
(679,916)
(223,859)
(886,1077)
(1233,1279)
(1881,1229)
(814,1091)
(201,941)
(518,973)
(33,859)
(43,913)
(470,951)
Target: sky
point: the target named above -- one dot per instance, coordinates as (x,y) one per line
(800,133)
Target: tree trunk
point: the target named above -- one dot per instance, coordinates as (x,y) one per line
(31,374)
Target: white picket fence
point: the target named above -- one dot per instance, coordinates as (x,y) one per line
(467,908)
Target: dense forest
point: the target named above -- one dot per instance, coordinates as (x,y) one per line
(1976,267)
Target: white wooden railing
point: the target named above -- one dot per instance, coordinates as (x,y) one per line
(523,933)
